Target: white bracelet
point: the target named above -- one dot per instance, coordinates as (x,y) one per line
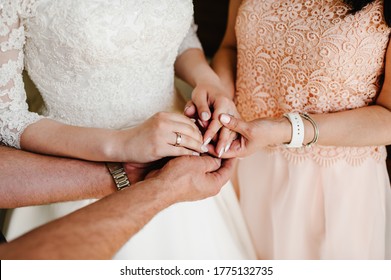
(297,130)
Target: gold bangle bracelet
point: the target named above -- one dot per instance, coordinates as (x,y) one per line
(316,129)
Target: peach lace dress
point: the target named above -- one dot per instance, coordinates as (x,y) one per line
(313,56)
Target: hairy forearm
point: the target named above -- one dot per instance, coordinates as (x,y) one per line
(96,231)
(32,179)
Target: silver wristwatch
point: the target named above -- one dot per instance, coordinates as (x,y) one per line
(118,173)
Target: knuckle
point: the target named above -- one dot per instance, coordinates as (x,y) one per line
(155,150)
(161,115)
(160,124)
(234,123)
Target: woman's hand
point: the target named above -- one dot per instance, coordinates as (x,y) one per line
(255,135)
(208,102)
(162,135)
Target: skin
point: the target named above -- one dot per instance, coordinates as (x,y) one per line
(365,126)
(61,179)
(99,230)
(209,99)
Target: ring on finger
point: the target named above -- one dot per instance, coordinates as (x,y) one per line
(178,139)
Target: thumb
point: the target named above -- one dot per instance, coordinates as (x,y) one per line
(234,124)
(209,164)
(190,110)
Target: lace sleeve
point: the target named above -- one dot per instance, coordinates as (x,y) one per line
(191,40)
(14,114)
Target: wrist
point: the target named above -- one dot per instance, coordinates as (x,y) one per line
(221,89)
(282,130)
(208,76)
(119,175)
(107,180)
(109,146)
(159,190)
(303,129)
(297,130)
(116,146)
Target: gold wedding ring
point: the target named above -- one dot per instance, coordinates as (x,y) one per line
(178,139)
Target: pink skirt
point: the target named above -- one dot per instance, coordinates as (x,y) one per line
(302,209)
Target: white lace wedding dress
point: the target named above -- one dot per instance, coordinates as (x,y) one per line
(100,63)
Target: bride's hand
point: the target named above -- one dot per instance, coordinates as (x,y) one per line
(162,135)
(206,105)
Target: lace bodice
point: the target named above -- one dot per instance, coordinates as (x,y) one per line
(310,56)
(96,63)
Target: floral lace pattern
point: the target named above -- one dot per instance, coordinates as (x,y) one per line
(309,56)
(96,63)
(14,115)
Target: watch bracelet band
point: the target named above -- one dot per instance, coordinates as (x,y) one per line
(118,174)
(297,130)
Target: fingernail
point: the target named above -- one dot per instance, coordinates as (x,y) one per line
(196,154)
(221,152)
(207,141)
(205,116)
(227,147)
(193,120)
(187,107)
(204,148)
(200,122)
(225,118)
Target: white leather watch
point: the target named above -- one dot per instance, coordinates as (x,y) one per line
(118,173)
(297,130)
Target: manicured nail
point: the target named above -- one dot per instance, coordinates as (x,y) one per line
(204,148)
(196,154)
(207,141)
(227,147)
(225,118)
(221,152)
(205,116)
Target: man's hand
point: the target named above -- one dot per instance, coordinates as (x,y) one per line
(190,178)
